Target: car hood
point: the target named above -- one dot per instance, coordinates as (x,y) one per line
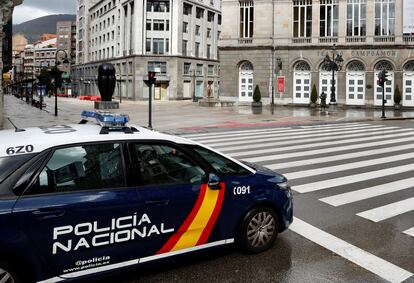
(265,171)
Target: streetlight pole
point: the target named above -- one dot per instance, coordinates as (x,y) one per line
(65,62)
(193,74)
(333,64)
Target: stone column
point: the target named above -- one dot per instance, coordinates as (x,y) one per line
(398,22)
(370,21)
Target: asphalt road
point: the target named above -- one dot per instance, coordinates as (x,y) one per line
(353,206)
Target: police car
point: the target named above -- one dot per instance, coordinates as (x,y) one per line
(85,199)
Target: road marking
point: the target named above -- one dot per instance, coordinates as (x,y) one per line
(409,232)
(371,192)
(348,166)
(376,265)
(281,140)
(215,134)
(389,210)
(284,165)
(290,132)
(322,150)
(340,181)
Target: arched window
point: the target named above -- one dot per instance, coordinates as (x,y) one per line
(408,84)
(325,81)
(246,82)
(301,83)
(355,83)
(389,85)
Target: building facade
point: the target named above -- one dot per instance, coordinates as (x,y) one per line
(283,49)
(177,39)
(6,10)
(66,40)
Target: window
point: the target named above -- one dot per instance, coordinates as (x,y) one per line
(187,67)
(158,6)
(199,13)
(159,66)
(211,70)
(187,9)
(158,46)
(158,25)
(162,164)
(9,164)
(384,17)
(208,32)
(302,18)
(246,19)
(329,12)
(185,43)
(148,24)
(221,164)
(210,16)
(185,27)
(197,30)
(356,18)
(197,49)
(208,51)
(199,69)
(85,167)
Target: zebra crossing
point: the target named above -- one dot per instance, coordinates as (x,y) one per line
(332,158)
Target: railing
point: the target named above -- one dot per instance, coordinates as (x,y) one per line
(408,38)
(355,39)
(245,41)
(328,39)
(302,40)
(384,39)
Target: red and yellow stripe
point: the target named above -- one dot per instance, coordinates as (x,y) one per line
(197,227)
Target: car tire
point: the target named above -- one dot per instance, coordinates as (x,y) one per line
(258,230)
(8,274)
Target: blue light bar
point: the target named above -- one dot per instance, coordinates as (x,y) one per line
(107,119)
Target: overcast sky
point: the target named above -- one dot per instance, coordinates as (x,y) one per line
(32,9)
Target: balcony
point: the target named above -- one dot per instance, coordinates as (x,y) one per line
(301,40)
(384,39)
(408,38)
(328,40)
(355,39)
(245,40)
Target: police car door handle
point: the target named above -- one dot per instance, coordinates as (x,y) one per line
(157,202)
(48,213)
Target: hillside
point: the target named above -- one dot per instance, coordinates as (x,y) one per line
(35,28)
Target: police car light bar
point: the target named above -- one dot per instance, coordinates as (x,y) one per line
(107,119)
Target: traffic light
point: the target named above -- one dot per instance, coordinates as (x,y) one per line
(382,78)
(151,78)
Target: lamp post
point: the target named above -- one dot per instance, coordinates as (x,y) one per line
(193,75)
(57,73)
(333,64)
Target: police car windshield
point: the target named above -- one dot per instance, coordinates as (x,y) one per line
(11,163)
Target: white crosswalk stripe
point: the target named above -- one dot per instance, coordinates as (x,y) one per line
(340,144)
(387,211)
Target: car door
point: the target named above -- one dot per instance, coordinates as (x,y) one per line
(81,212)
(174,192)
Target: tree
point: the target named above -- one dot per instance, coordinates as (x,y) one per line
(257,96)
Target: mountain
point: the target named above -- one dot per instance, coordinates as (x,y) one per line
(33,29)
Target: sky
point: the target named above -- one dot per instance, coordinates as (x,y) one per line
(32,9)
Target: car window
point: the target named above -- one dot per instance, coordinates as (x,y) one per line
(161,164)
(84,167)
(221,164)
(9,164)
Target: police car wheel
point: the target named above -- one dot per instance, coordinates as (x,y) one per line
(7,274)
(259,230)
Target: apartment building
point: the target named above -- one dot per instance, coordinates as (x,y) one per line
(66,41)
(177,39)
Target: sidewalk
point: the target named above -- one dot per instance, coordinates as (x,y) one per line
(184,116)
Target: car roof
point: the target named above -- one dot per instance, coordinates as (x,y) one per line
(42,138)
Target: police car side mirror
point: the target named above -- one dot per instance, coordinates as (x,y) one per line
(213,182)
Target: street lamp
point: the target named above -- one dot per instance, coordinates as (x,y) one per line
(333,64)
(193,75)
(57,73)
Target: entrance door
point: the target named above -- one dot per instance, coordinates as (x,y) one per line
(187,89)
(389,90)
(246,82)
(355,88)
(325,85)
(199,89)
(160,91)
(302,82)
(408,99)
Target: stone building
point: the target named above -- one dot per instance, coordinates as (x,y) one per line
(66,40)
(269,42)
(6,10)
(177,39)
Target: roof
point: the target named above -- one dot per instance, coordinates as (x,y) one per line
(42,138)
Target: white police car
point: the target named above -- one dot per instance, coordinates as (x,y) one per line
(81,200)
